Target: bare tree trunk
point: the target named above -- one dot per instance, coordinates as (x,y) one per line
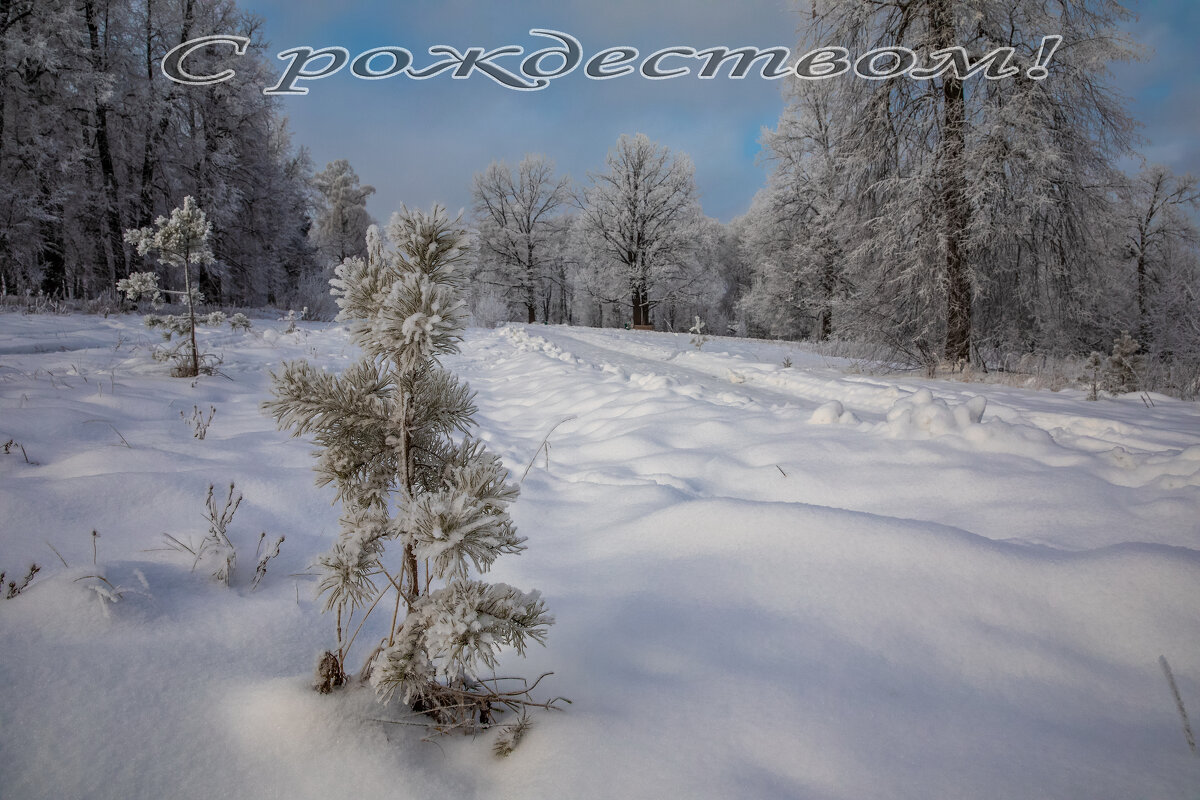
(187,286)
(117,266)
(955,209)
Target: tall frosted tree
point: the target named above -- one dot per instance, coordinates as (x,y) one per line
(981,207)
(1159,236)
(800,225)
(520,227)
(342,219)
(641,220)
(424,504)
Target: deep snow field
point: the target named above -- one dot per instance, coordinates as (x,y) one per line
(769,582)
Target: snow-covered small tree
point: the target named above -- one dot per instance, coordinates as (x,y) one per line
(423,503)
(180,242)
(1121,372)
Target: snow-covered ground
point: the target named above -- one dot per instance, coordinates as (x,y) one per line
(769,582)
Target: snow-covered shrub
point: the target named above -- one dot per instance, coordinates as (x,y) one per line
(179,241)
(291,319)
(1121,372)
(424,505)
(239,322)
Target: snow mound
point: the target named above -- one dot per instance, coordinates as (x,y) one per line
(833,413)
(922,413)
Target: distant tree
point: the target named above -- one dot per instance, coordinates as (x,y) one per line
(800,225)
(1158,222)
(641,219)
(519,227)
(342,219)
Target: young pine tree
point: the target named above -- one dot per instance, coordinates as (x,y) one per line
(423,503)
(179,241)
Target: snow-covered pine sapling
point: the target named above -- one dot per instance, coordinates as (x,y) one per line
(1093,365)
(698,336)
(239,322)
(198,422)
(180,241)
(423,503)
(1121,372)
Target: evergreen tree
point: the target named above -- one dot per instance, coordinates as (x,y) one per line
(342,219)
(1121,371)
(180,241)
(421,508)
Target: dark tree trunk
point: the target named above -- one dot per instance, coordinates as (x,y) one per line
(118,268)
(955,210)
(641,306)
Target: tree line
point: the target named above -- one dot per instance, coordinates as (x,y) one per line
(95,141)
(948,219)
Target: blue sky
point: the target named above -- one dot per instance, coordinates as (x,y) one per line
(420,142)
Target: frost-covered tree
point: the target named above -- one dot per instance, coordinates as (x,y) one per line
(180,241)
(94,139)
(519,226)
(342,219)
(1121,370)
(798,227)
(1158,225)
(981,208)
(424,505)
(642,220)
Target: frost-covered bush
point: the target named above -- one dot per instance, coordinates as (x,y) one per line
(239,322)
(424,504)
